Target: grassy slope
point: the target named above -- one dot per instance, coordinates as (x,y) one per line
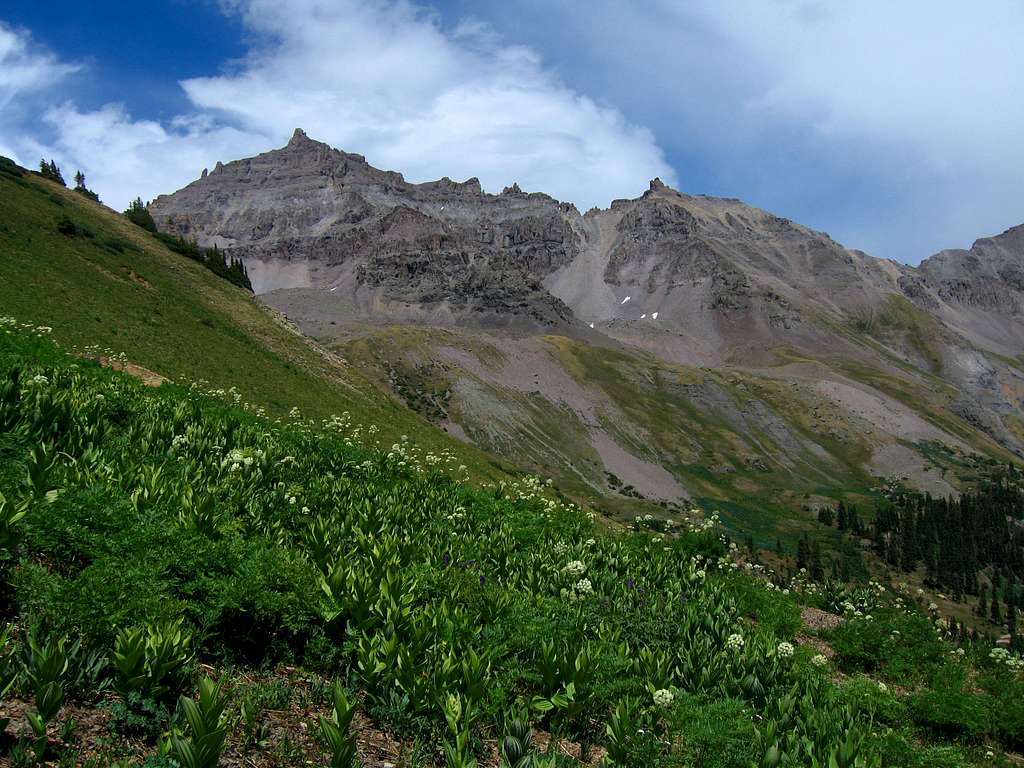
(654,417)
(122,290)
(487,576)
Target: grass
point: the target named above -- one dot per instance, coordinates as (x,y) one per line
(104,282)
(293,558)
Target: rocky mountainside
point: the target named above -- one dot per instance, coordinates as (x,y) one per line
(551,325)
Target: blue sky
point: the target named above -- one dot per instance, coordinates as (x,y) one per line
(894,127)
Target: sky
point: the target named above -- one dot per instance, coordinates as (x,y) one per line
(898,128)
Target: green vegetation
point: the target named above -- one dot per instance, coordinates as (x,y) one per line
(51,172)
(137,213)
(181,539)
(83,190)
(213,259)
(110,290)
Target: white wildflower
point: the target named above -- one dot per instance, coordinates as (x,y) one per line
(663,697)
(575,568)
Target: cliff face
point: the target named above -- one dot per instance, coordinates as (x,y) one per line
(311,216)
(688,279)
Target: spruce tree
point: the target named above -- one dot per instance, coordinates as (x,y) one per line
(139,214)
(49,170)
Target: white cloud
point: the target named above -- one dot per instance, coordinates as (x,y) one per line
(124,158)
(24,69)
(26,72)
(380,78)
(896,126)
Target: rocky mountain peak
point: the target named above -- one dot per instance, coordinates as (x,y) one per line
(308,215)
(298,137)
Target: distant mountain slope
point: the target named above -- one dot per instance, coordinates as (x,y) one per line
(701,346)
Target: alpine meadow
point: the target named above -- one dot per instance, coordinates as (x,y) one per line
(304,462)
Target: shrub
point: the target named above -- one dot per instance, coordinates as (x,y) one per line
(952,714)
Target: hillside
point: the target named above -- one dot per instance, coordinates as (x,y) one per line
(669,348)
(109,289)
(191,584)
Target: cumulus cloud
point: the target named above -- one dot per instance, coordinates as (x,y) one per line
(384,79)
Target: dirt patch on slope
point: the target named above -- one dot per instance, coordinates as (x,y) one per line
(650,480)
(146,376)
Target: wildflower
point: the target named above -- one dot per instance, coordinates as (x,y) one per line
(575,568)
(785,650)
(584,587)
(882,687)
(819,660)
(735,642)
(663,697)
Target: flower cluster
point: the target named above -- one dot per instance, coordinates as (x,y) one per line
(663,697)
(575,568)
(1011,660)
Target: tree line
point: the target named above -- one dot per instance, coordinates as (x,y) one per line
(230,268)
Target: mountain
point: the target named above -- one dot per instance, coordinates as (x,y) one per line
(667,348)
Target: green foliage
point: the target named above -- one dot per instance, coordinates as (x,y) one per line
(341,744)
(9,168)
(900,647)
(46,663)
(81,189)
(153,661)
(139,214)
(620,732)
(255,732)
(10,516)
(160,524)
(952,713)
(460,716)
(517,744)
(198,739)
(135,716)
(50,171)
(231,269)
